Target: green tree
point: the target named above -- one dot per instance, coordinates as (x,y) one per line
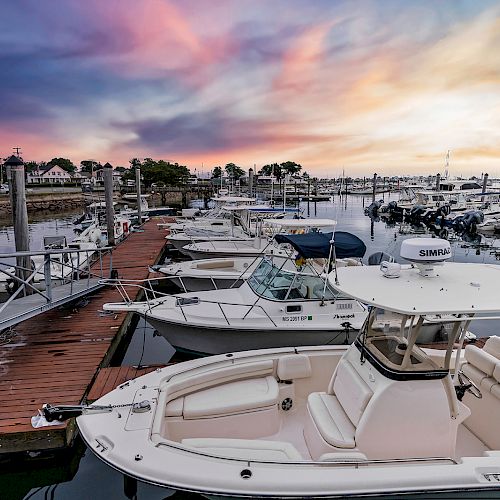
(64,163)
(272,169)
(290,167)
(158,171)
(90,166)
(32,166)
(216,173)
(234,171)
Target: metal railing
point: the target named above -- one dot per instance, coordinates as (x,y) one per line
(40,272)
(152,297)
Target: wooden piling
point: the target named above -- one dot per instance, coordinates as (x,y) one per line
(374,193)
(17,190)
(138,188)
(110,211)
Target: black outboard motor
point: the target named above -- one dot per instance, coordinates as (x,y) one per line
(416,212)
(374,207)
(430,217)
(375,259)
(471,220)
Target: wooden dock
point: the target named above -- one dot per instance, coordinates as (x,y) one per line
(55,356)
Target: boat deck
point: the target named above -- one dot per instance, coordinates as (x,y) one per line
(55,356)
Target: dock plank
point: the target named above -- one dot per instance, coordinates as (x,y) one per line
(56,356)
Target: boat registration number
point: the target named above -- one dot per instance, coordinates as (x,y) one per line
(297,318)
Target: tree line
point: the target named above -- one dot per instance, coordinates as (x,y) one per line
(167,172)
(278,170)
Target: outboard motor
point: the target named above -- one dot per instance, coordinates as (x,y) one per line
(444,210)
(392,206)
(430,217)
(375,259)
(374,207)
(416,213)
(468,222)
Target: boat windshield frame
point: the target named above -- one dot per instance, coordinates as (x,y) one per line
(281,284)
(388,341)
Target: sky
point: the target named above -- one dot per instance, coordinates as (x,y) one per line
(382,86)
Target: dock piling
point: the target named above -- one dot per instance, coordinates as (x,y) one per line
(110,211)
(17,188)
(138,187)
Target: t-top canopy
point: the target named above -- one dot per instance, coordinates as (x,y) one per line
(457,288)
(317,245)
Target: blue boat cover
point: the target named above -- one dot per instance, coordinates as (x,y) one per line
(317,245)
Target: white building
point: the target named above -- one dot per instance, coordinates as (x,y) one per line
(53,174)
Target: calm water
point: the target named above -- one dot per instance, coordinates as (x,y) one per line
(78,474)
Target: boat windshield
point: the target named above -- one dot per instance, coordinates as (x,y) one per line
(280,279)
(388,339)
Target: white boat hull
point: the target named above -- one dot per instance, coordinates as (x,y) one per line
(134,444)
(204,341)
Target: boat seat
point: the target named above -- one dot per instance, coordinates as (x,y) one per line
(247,449)
(331,420)
(483,365)
(293,366)
(229,398)
(333,415)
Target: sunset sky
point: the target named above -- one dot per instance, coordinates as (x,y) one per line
(369,86)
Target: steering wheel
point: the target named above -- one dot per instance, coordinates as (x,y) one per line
(466,385)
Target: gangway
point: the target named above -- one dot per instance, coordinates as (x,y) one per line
(51,279)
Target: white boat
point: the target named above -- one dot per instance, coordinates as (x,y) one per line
(210,274)
(244,223)
(232,272)
(278,305)
(62,265)
(259,245)
(146,210)
(381,416)
(203,233)
(489,225)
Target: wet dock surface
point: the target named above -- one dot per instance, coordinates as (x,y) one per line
(57,355)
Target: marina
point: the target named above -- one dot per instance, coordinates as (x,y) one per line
(250,250)
(63,347)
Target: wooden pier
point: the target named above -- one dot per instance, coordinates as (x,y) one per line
(56,356)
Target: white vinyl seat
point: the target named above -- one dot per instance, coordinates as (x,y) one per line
(331,420)
(247,449)
(230,398)
(332,416)
(482,366)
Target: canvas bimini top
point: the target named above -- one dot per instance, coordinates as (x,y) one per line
(317,245)
(450,288)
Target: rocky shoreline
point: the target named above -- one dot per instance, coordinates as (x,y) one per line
(48,201)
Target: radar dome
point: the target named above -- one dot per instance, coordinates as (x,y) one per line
(425,253)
